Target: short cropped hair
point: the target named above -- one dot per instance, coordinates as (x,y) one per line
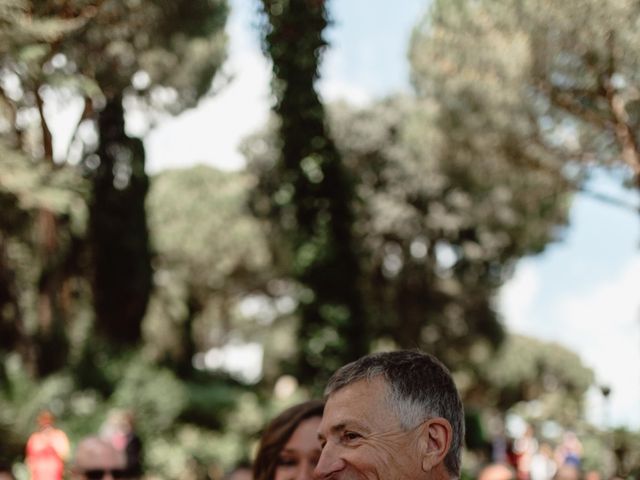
(419,387)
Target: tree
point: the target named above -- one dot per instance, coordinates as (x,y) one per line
(526,369)
(39,272)
(162,54)
(625,449)
(208,263)
(555,81)
(443,227)
(50,357)
(41,208)
(173,47)
(437,235)
(309,197)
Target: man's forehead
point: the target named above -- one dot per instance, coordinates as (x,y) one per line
(358,402)
(374,388)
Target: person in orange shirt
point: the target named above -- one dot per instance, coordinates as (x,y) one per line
(47,449)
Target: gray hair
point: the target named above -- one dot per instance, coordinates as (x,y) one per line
(419,387)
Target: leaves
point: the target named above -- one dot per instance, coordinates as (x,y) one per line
(553,80)
(307,198)
(210,254)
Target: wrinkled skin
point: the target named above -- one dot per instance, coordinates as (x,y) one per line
(363,440)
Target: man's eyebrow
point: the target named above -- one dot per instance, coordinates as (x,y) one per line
(348,425)
(334,429)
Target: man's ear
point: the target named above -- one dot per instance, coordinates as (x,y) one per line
(435,441)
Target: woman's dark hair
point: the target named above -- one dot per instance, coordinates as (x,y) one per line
(277,434)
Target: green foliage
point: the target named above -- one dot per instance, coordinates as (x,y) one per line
(227,238)
(543,84)
(178,45)
(44,217)
(174,47)
(104,52)
(202,273)
(626,448)
(597,452)
(535,92)
(51,354)
(525,369)
(450,197)
(155,394)
(438,235)
(19,30)
(29,186)
(310,197)
(441,231)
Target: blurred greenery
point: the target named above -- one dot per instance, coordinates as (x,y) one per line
(307,199)
(351,230)
(545,82)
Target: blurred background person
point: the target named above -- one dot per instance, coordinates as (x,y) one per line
(525,448)
(569,452)
(119,430)
(289,447)
(97,459)
(47,449)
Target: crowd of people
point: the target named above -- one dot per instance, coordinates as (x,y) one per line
(535,460)
(387,416)
(528,458)
(113,454)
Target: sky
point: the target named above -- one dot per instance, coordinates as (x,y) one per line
(581,292)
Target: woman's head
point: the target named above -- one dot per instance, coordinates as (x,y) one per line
(289,445)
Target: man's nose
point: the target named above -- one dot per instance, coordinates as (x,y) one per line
(329,462)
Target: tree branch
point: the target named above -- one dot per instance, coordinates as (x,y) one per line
(628,144)
(610,200)
(577,186)
(47,139)
(565,100)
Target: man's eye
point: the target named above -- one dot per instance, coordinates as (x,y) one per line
(350,436)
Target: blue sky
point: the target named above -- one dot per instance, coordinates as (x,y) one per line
(581,291)
(369,41)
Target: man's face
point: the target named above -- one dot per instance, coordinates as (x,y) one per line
(362,437)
